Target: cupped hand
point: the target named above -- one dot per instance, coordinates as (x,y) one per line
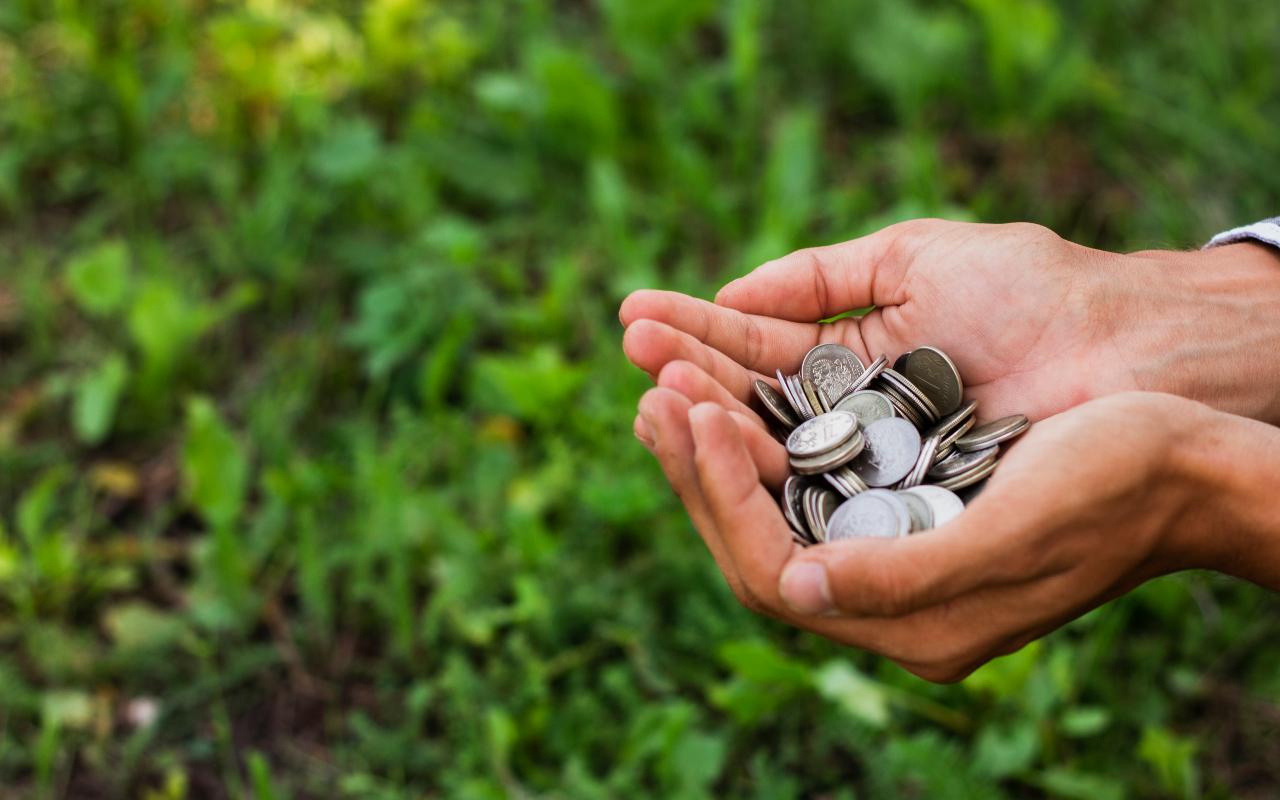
(1087,505)
(1035,324)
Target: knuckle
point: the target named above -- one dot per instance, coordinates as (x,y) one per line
(889,592)
(752,340)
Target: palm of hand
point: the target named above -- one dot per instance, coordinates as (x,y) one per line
(1013,304)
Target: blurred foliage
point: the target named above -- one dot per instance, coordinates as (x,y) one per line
(316,472)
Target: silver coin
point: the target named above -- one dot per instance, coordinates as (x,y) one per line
(832,369)
(917,474)
(993,433)
(912,393)
(950,439)
(955,419)
(875,513)
(921,512)
(792,490)
(785,387)
(807,410)
(776,404)
(867,405)
(872,372)
(819,505)
(815,397)
(845,481)
(828,461)
(959,463)
(891,450)
(966,479)
(944,503)
(901,405)
(821,434)
(930,370)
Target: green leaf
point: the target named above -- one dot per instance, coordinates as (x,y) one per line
(99,277)
(137,626)
(162,323)
(1004,750)
(97,395)
(1172,758)
(1073,785)
(860,696)
(214,465)
(1084,721)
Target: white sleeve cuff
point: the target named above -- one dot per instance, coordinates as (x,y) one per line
(1267,232)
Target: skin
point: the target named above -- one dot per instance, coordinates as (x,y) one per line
(1125,488)
(1035,324)
(1121,487)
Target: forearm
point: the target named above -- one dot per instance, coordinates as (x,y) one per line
(1206,325)
(1231,467)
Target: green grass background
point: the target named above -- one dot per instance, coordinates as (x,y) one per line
(316,467)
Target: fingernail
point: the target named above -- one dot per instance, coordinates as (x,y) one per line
(644,431)
(804,588)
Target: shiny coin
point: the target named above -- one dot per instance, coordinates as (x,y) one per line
(891,450)
(845,481)
(929,369)
(921,512)
(785,386)
(960,463)
(912,393)
(944,503)
(821,434)
(776,404)
(955,419)
(950,439)
(819,504)
(832,369)
(966,479)
(901,406)
(874,513)
(993,433)
(828,461)
(807,409)
(867,405)
(872,372)
(792,490)
(917,474)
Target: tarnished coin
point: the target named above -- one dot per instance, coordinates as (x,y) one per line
(921,512)
(903,407)
(933,373)
(966,479)
(950,439)
(832,369)
(993,433)
(874,513)
(960,463)
(792,492)
(821,434)
(775,403)
(892,447)
(900,363)
(867,405)
(944,503)
(815,397)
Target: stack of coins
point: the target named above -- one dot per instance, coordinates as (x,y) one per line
(876,450)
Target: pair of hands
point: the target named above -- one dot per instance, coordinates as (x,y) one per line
(1087,505)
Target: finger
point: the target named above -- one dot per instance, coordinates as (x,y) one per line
(760,343)
(652,345)
(819,282)
(748,520)
(896,577)
(666,415)
(769,456)
(696,384)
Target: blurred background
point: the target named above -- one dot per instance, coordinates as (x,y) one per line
(316,467)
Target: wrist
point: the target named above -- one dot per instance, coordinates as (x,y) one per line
(1203,325)
(1228,468)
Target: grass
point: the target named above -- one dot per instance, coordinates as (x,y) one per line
(316,472)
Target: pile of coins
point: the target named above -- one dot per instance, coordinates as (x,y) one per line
(877,450)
